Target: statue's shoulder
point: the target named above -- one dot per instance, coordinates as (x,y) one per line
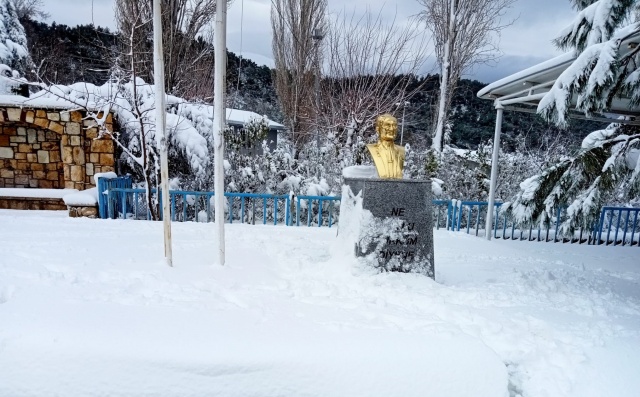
(400,149)
(372,146)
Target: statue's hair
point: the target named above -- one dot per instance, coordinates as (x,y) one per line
(385,116)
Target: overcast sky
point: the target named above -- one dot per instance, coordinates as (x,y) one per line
(526,42)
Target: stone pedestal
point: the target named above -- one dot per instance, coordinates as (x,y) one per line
(400,235)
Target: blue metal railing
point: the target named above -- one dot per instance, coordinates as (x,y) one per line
(616,226)
(471,215)
(464,213)
(198,206)
(625,217)
(315,207)
(104,185)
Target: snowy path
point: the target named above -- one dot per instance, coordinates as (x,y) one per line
(88,308)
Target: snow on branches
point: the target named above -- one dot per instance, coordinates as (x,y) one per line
(133,104)
(13,40)
(607,67)
(602,70)
(601,171)
(595,23)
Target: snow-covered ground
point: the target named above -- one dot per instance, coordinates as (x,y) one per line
(88,308)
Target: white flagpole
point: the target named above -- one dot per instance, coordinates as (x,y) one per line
(219,116)
(161,135)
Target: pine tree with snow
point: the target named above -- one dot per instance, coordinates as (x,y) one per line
(13,40)
(607,166)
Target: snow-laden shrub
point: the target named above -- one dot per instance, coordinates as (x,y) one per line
(13,40)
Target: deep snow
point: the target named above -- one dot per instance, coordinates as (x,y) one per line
(88,308)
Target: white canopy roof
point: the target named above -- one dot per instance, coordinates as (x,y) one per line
(530,85)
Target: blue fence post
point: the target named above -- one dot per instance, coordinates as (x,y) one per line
(102,205)
(555,237)
(264,210)
(330,212)
(600,226)
(287,213)
(633,232)
(609,228)
(173,206)
(242,209)
(626,225)
(615,237)
(495,222)
(124,205)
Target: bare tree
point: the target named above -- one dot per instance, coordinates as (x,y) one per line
(372,67)
(294,23)
(186,38)
(465,35)
(30,9)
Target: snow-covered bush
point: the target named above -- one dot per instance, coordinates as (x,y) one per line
(605,170)
(14,56)
(13,40)
(10,80)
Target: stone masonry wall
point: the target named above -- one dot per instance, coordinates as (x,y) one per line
(30,203)
(52,149)
(30,157)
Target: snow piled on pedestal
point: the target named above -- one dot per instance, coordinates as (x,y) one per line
(360,171)
(92,310)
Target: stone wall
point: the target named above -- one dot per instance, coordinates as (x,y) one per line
(52,149)
(31,203)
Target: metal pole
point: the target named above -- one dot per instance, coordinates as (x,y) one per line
(404,105)
(219,116)
(317,89)
(161,133)
(494,170)
(317,38)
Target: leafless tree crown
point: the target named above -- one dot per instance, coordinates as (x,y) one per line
(31,9)
(186,39)
(372,67)
(465,35)
(294,23)
(478,24)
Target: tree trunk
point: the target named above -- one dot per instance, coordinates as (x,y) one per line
(437,143)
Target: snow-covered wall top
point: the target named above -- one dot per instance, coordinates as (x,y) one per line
(46,100)
(36,102)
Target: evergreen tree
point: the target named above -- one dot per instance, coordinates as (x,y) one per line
(13,41)
(607,166)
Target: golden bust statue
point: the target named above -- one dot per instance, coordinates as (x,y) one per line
(387,156)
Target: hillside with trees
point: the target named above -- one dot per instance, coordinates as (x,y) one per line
(66,55)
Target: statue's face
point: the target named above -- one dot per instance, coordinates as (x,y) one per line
(387,129)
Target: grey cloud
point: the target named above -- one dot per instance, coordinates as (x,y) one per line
(508,65)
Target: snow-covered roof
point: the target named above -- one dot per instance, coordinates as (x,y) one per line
(234,116)
(530,85)
(544,72)
(36,102)
(241,117)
